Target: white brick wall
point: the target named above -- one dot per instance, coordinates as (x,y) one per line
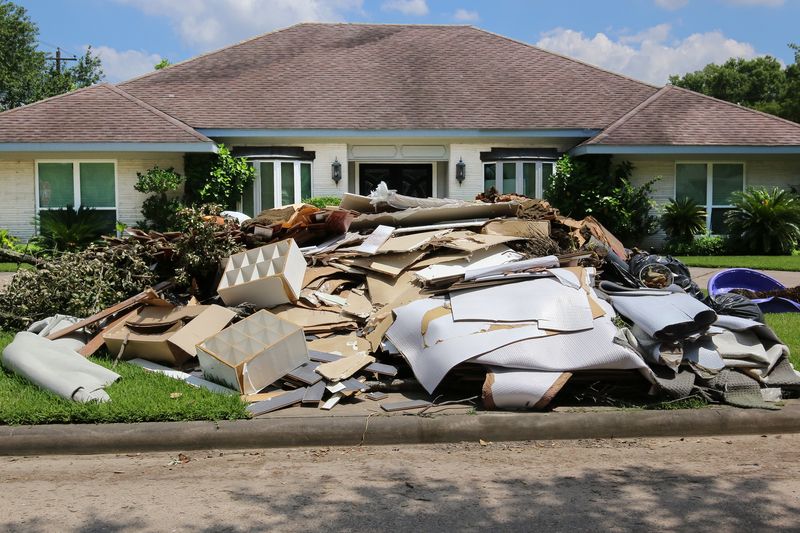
(325,154)
(18,202)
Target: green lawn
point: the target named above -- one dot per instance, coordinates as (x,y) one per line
(140,396)
(758,262)
(13,267)
(787,326)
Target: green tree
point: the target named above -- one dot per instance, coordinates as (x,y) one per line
(25,73)
(761,83)
(164,63)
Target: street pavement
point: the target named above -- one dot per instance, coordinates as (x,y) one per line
(678,484)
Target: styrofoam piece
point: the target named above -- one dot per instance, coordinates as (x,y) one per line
(253,353)
(549,302)
(181,376)
(265,277)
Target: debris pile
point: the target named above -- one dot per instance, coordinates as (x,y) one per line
(502,298)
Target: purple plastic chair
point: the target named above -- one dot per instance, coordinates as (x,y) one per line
(746,278)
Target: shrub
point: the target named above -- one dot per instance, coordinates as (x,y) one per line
(66,229)
(682,220)
(227,180)
(323,201)
(591,186)
(159,210)
(764,221)
(700,245)
(7,240)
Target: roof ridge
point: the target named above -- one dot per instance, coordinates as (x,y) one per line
(627,116)
(161,114)
(563,56)
(211,52)
(54,97)
(737,106)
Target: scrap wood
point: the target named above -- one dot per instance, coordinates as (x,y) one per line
(260,396)
(121,306)
(277,402)
(345,367)
(390,264)
(98,341)
(12,256)
(405,405)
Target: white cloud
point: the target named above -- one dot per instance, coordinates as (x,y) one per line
(649,55)
(757,3)
(671,4)
(208,24)
(407,7)
(465,15)
(120,65)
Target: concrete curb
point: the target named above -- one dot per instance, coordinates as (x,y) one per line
(386,430)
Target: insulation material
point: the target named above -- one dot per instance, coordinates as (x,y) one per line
(661,314)
(57,368)
(521,389)
(548,301)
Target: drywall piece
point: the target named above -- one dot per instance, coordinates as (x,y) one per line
(457,267)
(469,241)
(358,305)
(330,299)
(314,393)
(305,373)
(342,344)
(182,376)
(210,322)
(352,384)
(420,216)
(56,368)
(374,241)
(278,402)
(147,333)
(314,320)
(390,264)
(265,277)
(521,389)
(332,401)
(480,271)
(345,367)
(550,303)
(404,405)
(376,396)
(253,353)
(518,228)
(377,368)
(474,223)
(336,387)
(410,242)
(356,202)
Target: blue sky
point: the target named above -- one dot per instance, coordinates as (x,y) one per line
(646,39)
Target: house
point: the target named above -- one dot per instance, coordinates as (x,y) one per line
(322,109)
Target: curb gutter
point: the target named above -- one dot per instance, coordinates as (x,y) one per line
(387,430)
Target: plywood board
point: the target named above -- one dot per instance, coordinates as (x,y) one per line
(278,402)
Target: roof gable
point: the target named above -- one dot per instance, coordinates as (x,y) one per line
(362,76)
(676,116)
(98,114)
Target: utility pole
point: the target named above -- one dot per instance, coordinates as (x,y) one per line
(58,59)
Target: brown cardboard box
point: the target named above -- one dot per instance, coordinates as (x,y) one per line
(166,334)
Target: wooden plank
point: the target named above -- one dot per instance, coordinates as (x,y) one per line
(278,402)
(97,341)
(345,367)
(402,406)
(305,373)
(377,368)
(376,396)
(314,393)
(116,308)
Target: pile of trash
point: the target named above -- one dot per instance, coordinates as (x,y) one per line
(502,297)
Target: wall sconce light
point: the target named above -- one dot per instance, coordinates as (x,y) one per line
(461,171)
(336,171)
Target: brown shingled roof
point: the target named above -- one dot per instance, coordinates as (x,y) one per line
(101,113)
(676,116)
(366,76)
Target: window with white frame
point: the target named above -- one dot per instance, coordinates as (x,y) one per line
(76,184)
(277,183)
(710,185)
(521,177)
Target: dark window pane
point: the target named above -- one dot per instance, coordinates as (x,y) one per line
(727,178)
(690,181)
(287,183)
(267,185)
(547,174)
(718,226)
(305,181)
(248,207)
(489,176)
(55,185)
(97,184)
(509,178)
(529,180)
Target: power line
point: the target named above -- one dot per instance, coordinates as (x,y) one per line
(58,59)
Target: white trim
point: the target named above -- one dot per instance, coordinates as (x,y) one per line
(277,192)
(709,205)
(519,176)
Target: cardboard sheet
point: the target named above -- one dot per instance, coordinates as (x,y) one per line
(410,242)
(390,264)
(517,228)
(470,241)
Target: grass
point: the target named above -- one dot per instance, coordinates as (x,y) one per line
(140,396)
(787,327)
(758,262)
(13,267)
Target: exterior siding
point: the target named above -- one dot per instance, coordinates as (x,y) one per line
(324,156)
(17,175)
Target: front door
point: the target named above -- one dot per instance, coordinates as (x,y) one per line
(407,179)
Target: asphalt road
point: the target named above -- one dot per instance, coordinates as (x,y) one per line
(707,484)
